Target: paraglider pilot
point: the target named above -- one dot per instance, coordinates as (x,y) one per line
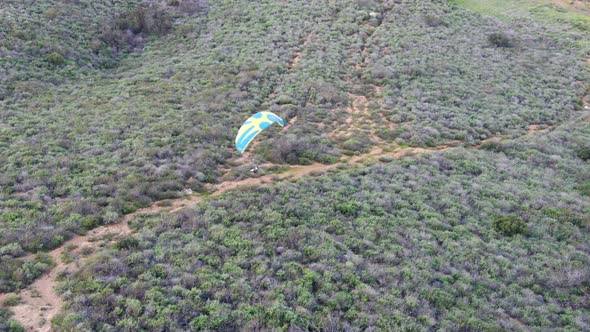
(252,127)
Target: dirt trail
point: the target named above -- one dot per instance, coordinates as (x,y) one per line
(297,57)
(40,303)
(360,118)
(576,6)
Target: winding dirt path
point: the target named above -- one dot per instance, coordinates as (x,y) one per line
(359,118)
(298,54)
(39,302)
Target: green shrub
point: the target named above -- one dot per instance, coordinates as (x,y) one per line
(433,21)
(584,153)
(563,215)
(89,222)
(470,167)
(12,300)
(509,225)
(584,188)
(130,208)
(145,19)
(85,251)
(165,203)
(386,159)
(66,257)
(160,124)
(56,59)
(284,100)
(14,326)
(354,144)
(12,249)
(439,298)
(500,39)
(492,146)
(17,273)
(127,243)
(51,13)
(65,322)
(348,209)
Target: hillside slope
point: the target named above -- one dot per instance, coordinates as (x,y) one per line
(109,107)
(478,240)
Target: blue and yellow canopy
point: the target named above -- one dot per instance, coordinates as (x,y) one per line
(253,126)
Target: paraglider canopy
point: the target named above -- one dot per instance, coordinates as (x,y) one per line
(253,126)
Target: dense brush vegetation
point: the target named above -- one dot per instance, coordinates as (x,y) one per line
(86,152)
(107,106)
(410,245)
(46,43)
(447,77)
(7,323)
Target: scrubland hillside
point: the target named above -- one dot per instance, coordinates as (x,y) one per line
(110,106)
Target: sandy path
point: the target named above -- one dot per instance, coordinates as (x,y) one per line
(298,54)
(577,6)
(359,116)
(40,302)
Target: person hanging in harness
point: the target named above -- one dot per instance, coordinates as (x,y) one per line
(252,127)
(255,169)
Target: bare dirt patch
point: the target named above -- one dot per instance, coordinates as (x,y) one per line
(40,303)
(297,57)
(576,6)
(360,118)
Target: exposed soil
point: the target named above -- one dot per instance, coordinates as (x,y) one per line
(535,128)
(297,57)
(360,119)
(577,6)
(40,303)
